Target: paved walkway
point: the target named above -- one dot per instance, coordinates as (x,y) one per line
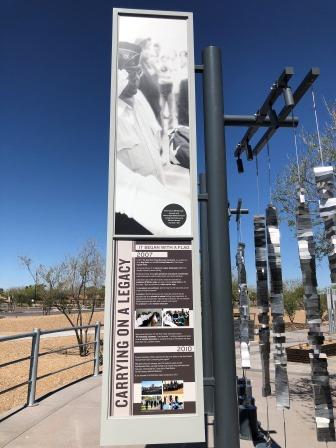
(70,419)
(298,420)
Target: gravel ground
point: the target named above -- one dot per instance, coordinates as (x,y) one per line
(18,373)
(12,325)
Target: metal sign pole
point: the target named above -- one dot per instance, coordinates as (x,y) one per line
(226,408)
(208,379)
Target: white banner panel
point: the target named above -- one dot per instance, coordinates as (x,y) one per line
(152,337)
(152,141)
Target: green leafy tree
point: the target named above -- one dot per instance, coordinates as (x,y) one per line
(293,294)
(252,295)
(323,306)
(291,307)
(25,295)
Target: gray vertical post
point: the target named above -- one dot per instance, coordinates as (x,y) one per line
(97,349)
(206,305)
(33,367)
(329,305)
(333,315)
(226,408)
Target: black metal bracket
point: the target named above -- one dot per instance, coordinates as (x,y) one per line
(266,110)
(253,120)
(202,196)
(299,93)
(239,204)
(232,211)
(199,68)
(210,381)
(238,211)
(242,211)
(266,115)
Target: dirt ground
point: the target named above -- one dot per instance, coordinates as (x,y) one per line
(12,325)
(300,316)
(18,373)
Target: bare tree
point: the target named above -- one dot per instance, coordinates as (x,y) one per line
(287,181)
(52,277)
(74,284)
(34,273)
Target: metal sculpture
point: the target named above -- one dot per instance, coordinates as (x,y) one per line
(262,301)
(244,308)
(277,307)
(318,361)
(325,183)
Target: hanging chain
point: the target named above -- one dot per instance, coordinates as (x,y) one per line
(284,427)
(268,442)
(317,127)
(269,173)
(258,186)
(239,231)
(296,150)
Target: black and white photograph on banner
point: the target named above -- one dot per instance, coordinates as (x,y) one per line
(148,318)
(175,317)
(173,387)
(151,403)
(152,143)
(151,387)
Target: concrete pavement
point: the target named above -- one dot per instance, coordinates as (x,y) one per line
(70,419)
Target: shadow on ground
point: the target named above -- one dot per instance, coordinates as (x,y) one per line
(301,389)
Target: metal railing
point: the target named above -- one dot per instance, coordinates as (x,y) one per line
(35,355)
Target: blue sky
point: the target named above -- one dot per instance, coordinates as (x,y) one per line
(54,112)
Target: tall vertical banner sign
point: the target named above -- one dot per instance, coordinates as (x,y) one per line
(152,381)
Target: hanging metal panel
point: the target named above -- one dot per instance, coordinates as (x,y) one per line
(244,308)
(277,307)
(262,301)
(318,361)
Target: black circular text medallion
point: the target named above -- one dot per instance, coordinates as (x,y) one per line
(174,216)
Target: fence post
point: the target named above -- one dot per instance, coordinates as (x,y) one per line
(97,349)
(33,367)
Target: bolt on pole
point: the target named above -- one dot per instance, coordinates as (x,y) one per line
(224,362)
